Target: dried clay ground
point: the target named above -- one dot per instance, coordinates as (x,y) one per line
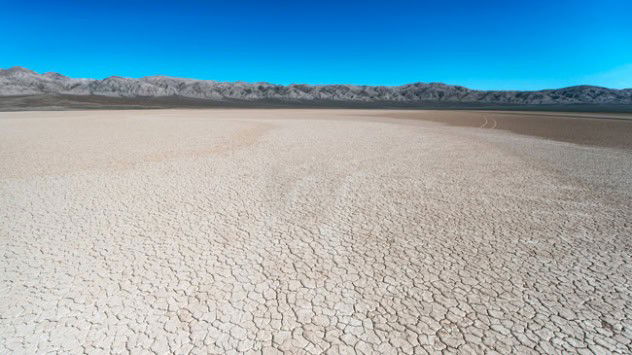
(315,231)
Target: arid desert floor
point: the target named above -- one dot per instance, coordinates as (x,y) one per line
(315,231)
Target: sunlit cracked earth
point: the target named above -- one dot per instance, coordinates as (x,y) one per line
(298,231)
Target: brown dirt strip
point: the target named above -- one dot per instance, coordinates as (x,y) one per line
(593,130)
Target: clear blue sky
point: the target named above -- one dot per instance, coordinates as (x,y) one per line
(480,44)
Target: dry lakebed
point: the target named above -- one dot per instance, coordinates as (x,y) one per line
(315,231)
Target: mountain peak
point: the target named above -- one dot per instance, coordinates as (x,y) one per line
(55,76)
(17,70)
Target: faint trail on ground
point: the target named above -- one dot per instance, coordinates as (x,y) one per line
(484,123)
(493,123)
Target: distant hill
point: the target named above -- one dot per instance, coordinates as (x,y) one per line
(21,88)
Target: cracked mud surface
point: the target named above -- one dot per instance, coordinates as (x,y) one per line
(307,231)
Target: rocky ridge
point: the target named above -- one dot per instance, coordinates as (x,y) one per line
(18,81)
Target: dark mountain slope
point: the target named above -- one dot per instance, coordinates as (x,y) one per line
(19,86)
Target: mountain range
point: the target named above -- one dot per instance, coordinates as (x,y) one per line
(22,88)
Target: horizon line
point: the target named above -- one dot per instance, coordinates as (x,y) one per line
(18,67)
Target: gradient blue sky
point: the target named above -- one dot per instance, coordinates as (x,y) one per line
(479,44)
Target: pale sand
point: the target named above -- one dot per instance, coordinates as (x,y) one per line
(309,231)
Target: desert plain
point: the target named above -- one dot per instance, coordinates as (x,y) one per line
(315,231)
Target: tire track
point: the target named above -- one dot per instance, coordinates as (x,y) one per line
(493,123)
